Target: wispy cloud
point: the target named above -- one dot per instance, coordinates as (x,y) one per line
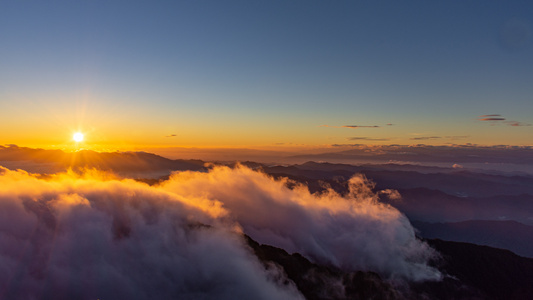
(346,145)
(516,124)
(361,126)
(488,116)
(421,138)
(352,126)
(357,138)
(457,137)
(496,118)
(452,137)
(492,119)
(170,135)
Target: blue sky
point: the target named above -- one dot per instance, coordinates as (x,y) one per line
(256,73)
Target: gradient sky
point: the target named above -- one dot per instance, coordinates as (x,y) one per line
(265,73)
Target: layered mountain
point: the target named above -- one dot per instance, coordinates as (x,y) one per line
(471,272)
(452,209)
(129,164)
(511,235)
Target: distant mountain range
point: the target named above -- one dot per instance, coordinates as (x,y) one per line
(427,153)
(436,206)
(511,235)
(446,203)
(131,164)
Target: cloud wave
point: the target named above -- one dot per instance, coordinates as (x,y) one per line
(72,236)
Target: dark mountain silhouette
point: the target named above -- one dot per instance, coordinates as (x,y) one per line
(509,235)
(325,166)
(471,272)
(132,164)
(427,153)
(317,282)
(436,206)
(497,273)
(460,183)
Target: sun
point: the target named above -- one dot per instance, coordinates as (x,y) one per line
(78,137)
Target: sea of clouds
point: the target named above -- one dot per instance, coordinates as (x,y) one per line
(95,236)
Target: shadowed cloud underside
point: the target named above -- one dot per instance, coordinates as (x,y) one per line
(187,230)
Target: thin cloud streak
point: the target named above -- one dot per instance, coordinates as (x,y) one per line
(452,137)
(361,126)
(421,138)
(492,119)
(516,124)
(357,138)
(351,126)
(347,145)
(496,118)
(487,116)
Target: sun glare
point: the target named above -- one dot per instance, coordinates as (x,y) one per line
(78,137)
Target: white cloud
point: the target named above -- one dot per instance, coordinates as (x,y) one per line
(93,236)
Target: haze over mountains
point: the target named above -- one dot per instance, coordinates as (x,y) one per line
(132,164)
(510,235)
(214,150)
(316,230)
(503,158)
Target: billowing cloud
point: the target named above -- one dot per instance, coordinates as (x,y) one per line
(353,232)
(95,236)
(98,238)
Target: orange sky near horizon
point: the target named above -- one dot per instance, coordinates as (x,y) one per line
(228,75)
